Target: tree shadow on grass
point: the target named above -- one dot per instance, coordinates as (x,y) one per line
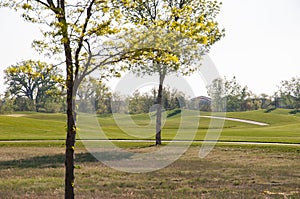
(55,161)
(294,112)
(269,110)
(173,113)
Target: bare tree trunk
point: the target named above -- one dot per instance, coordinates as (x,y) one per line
(70,144)
(158,115)
(159,106)
(71,127)
(36,103)
(71,133)
(71,116)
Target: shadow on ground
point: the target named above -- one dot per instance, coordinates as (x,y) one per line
(54,161)
(173,113)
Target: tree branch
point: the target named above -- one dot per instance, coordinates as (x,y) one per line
(43,3)
(80,42)
(50,2)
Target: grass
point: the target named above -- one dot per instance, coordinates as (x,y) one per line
(227,172)
(35,169)
(32,126)
(284,127)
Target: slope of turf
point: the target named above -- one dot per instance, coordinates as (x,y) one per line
(32,126)
(283,126)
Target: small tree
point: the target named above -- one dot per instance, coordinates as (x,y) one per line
(216,90)
(289,92)
(6,103)
(94,95)
(173,34)
(265,100)
(72,30)
(37,81)
(236,95)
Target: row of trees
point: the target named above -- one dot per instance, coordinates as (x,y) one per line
(36,86)
(240,98)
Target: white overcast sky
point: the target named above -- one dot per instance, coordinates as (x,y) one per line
(261,46)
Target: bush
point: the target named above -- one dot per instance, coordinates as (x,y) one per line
(52,107)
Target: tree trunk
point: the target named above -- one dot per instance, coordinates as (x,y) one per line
(71,93)
(71,115)
(37,99)
(158,112)
(71,130)
(70,144)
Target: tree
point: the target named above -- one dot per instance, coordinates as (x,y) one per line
(216,90)
(34,80)
(289,92)
(118,104)
(172,98)
(143,102)
(173,34)
(265,100)
(6,103)
(236,95)
(73,32)
(94,95)
(104,98)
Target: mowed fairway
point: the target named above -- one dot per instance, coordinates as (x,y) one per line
(283,127)
(36,169)
(32,126)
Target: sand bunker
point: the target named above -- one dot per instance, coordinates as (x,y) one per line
(15,115)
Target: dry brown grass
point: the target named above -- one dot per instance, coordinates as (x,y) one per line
(227,172)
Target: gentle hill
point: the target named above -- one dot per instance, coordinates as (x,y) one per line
(283,126)
(32,126)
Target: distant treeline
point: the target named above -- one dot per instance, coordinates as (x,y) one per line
(96,96)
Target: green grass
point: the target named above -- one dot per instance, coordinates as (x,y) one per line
(284,127)
(276,118)
(32,126)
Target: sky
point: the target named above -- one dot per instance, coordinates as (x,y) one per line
(261,46)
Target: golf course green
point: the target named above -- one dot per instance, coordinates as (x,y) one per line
(282,126)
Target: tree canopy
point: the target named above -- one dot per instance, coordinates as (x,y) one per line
(35,80)
(289,92)
(168,36)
